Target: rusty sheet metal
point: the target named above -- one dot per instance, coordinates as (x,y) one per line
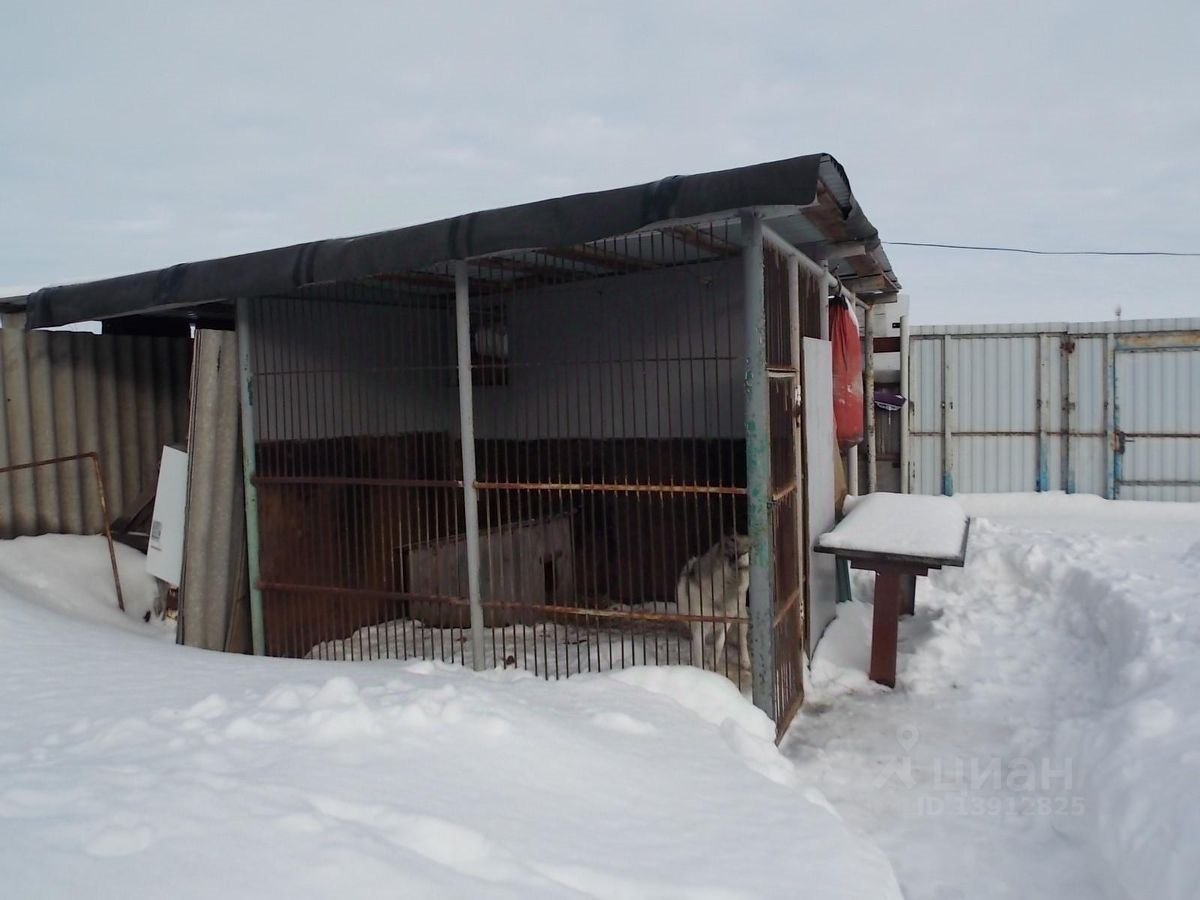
(65,393)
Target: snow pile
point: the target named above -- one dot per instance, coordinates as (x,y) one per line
(900,523)
(73,575)
(146,767)
(1041,741)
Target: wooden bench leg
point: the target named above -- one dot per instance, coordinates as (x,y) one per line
(885,627)
(908,600)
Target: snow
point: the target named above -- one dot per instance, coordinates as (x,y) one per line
(1041,741)
(555,648)
(908,524)
(131,767)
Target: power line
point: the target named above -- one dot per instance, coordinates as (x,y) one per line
(1046,252)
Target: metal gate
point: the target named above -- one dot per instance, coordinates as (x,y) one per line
(781,289)
(1108,408)
(1156,416)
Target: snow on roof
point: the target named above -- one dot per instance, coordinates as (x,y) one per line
(901,524)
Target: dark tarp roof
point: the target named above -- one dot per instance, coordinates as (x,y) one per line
(782,188)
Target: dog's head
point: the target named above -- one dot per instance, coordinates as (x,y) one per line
(736,548)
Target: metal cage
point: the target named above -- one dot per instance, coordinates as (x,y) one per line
(511,460)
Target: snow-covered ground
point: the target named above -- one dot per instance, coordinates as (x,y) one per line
(1044,737)
(133,768)
(1042,743)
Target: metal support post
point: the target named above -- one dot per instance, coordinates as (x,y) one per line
(758,467)
(246,389)
(466,414)
(869,396)
(947,416)
(906,412)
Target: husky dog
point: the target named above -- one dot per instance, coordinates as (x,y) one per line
(716,584)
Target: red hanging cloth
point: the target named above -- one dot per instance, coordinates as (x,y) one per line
(847,374)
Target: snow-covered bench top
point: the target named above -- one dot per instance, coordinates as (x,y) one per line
(901,527)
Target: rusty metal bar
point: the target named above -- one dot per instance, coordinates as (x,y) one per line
(447,600)
(330,480)
(610,488)
(103,499)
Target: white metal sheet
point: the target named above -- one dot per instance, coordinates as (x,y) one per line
(820,445)
(164,555)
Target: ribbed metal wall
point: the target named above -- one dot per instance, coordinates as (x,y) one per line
(72,392)
(1031,407)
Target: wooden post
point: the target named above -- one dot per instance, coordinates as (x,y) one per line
(885,627)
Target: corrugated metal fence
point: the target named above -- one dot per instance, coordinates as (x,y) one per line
(1109,408)
(71,392)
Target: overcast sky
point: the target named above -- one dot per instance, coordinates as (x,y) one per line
(137,135)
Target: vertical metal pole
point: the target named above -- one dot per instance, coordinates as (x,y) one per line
(246,389)
(758,467)
(112,552)
(947,417)
(1112,459)
(905,412)
(466,416)
(1070,411)
(869,398)
(1042,482)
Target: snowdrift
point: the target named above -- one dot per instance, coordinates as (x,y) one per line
(137,768)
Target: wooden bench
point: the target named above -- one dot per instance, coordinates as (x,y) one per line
(898,537)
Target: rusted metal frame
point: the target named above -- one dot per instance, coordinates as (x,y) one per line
(1146,482)
(1003,432)
(606,487)
(708,243)
(758,466)
(605,260)
(101,495)
(333,480)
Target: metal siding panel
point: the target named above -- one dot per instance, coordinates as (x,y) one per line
(995,370)
(1089,405)
(1090,475)
(926,376)
(66,428)
(62,394)
(995,463)
(927,464)
(87,417)
(41,395)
